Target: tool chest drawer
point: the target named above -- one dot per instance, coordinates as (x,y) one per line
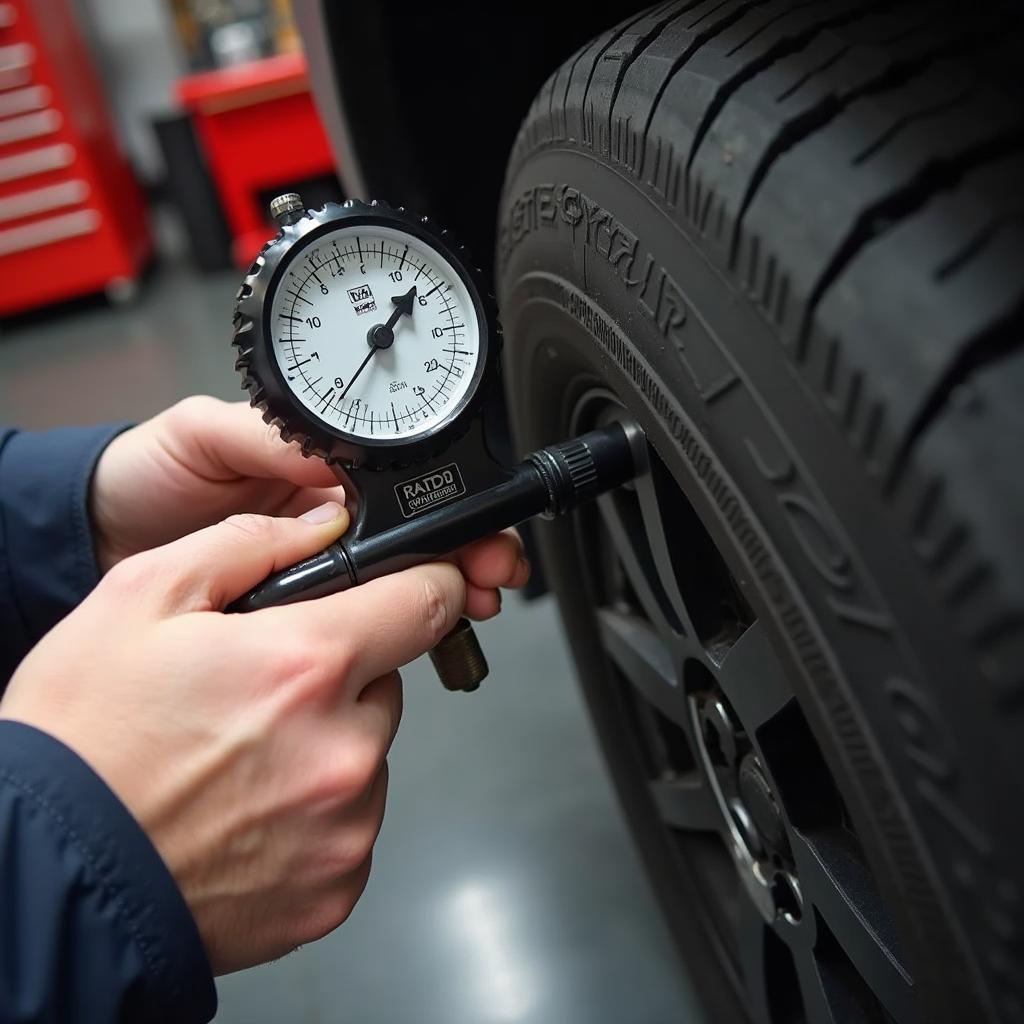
(72,217)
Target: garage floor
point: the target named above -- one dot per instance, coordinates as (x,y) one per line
(505,887)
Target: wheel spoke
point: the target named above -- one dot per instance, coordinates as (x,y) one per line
(854,927)
(818,1008)
(753,679)
(657,538)
(621,514)
(685,802)
(644,659)
(754,936)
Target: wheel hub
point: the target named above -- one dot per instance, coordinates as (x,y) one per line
(762,804)
(752,814)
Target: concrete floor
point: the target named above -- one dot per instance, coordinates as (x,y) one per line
(505,886)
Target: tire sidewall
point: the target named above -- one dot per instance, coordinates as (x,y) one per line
(591,270)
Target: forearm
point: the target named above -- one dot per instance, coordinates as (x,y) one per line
(47,561)
(98,927)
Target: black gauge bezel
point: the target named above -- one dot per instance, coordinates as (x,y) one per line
(262,374)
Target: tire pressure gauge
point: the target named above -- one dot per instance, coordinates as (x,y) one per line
(363,332)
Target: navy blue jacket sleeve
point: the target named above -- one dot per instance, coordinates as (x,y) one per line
(47,562)
(92,925)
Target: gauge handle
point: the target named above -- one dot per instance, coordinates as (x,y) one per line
(549,482)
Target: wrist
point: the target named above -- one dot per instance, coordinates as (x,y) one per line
(102,506)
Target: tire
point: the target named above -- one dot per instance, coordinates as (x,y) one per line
(786,238)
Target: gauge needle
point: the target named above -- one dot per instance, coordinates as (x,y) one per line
(383,335)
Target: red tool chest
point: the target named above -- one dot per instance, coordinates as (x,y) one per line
(259,131)
(72,217)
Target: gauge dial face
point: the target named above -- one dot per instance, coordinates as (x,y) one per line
(375,333)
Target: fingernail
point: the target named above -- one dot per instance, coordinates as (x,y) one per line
(325,513)
(524,567)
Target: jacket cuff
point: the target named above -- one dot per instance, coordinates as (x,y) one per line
(44,482)
(100,843)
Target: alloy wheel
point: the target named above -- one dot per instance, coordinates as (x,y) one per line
(732,768)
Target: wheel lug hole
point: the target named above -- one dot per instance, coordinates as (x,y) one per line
(789,901)
(747,829)
(720,732)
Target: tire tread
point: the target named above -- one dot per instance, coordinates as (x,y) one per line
(823,153)
(896,102)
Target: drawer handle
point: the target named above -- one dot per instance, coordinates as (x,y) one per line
(29,126)
(14,78)
(20,55)
(42,200)
(45,232)
(21,101)
(35,161)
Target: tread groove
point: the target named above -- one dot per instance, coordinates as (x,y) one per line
(761,29)
(908,119)
(614,34)
(824,112)
(967,582)
(781,48)
(927,507)
(812,73)
(939,552)
(998,341)
(699,41)
(707,14)
(641,46)
(876,219)
(975,246)
(568,85)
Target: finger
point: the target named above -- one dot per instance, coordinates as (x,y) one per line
(381,701)
(298,502)
(495,561)
(376,803)
(229,441)
(482,602)
(371,808)
(381,625)
(210,568)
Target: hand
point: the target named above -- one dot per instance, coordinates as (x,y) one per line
(251,748)
(201,461)
(191,466)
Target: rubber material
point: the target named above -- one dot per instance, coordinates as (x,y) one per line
(792,234)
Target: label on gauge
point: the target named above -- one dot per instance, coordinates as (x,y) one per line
(427,491)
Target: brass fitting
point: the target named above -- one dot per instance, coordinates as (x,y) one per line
(459,659)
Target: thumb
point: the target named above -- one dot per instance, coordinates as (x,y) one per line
(208,569)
